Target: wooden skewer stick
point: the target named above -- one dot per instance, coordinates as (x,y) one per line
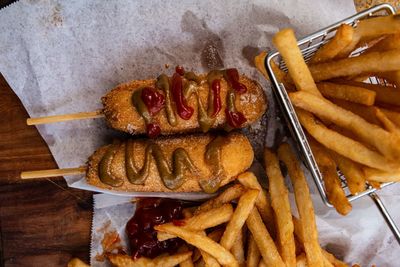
(53,173)
(65,117)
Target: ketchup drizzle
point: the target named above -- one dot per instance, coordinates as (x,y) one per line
(153,100)
(233,79)
(216,90)
(153,130)
(235,118)
(184,111)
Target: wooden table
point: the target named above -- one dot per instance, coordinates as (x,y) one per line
(42,222)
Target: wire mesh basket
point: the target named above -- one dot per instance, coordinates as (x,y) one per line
(308,46)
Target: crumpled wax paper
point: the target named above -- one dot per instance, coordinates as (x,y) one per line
(62,56)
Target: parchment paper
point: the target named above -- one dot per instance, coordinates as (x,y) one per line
(354,238)
(62,56)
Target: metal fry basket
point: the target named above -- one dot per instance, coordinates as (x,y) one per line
(308,46)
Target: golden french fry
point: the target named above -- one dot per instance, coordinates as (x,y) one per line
(262,263)
(188,262)
(249,180)
(386,122)
(75,262)
(390,42)
(384,94)
(328,258)
(304,205)
(347,92)
(352,171)
(381,176)
(286,43)
(259,63)
(253,254)
(301,260)
(392,115)
(333,186)
(215,236)
(231,193)
(209,260)
(374,184)
(375,62)
(205,243)
(238,249)
(342,38)
(387,143)
(204,220)
(281,206)
(343,145)
(242,211)
(372,28)
(119,260)
(365,112)
(264,242)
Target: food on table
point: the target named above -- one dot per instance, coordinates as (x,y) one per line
(185,102)
(353,124)
(181,164)
(213,229)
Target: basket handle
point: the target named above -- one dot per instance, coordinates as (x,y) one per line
(389,220)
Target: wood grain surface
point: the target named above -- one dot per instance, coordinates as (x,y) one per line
(42,222)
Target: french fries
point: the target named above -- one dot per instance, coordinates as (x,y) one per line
(249,180)
(372,28)
(342,38)
(243,209)
(387,143)
(381,176)
(328,258)
(343,145)
(352,171)
(281,205)
(365,112)
(204,220)
(224,245)
(333,186)
(120,260)
(188,262)
(286,43)
(263,239)
(227,196)
(375,62)
(347,92)
(259,63)
(238,249)
(384,94)
(253,254)
(386,122)
(204,243)
(304,206)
